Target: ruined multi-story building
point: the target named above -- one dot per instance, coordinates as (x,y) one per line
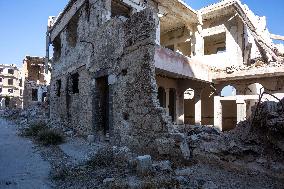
(10,87)
(132,69)
(35,81)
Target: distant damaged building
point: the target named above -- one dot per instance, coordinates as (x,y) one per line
(11,90)
(134,70)
(35,81)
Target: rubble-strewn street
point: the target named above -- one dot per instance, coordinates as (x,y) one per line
(143,94)
(246,157)
(21,165)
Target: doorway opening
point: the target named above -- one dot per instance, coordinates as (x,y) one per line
(229,113)
(102,105)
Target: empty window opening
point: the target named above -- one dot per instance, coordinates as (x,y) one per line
(43,97)
(124,72)
(10,82)
(21,83)
(58,88)
(34,94)
(125,116)
(10,71)
(119,8)
(102,105)
(215,44)
(172,104)
(162,97)
(72,28)
(1,70)
(10,91)
(0,90)
(75,83)
(7,101)
(87,9)
(1,80)
(57,48)
(21,92)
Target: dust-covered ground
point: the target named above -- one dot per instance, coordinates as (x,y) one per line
(250,156)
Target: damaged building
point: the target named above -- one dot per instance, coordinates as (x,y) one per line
(130,71)
(35,81)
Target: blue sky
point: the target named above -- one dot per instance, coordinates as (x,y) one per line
(23,23)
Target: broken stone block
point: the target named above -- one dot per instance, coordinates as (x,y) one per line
(210,185)
(69,133)
(108,181)
(91,138)
(184,172)
(178,137)
(163,166)
(186,152)
(144,164)
(165,145)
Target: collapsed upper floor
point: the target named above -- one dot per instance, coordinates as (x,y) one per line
(194,44)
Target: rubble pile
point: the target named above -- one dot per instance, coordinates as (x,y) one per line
(268,121)
(34,113)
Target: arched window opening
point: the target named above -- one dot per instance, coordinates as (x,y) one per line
(228,91)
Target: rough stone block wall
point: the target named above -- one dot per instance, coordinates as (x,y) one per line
(73,110)
(125,51)
(75,44)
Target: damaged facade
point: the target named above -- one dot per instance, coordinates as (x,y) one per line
(11,87)
(128,71)
(35,81)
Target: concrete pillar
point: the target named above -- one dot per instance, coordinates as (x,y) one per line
(158,27)
(180,107)
(198,114)
(218,112)
(197,43)
(167,100)
(241,109)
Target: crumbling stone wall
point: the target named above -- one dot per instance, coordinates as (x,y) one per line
(122,51)
(72,50)
(125,52)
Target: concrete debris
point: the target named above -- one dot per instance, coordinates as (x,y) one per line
(91,138)
(144,164)
(163,166)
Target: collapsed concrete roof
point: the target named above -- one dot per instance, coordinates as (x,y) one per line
(256,25)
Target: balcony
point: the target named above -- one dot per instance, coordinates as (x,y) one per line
(250,72)
(178,66)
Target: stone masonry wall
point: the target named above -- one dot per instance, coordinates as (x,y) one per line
(125,52)
(72,50)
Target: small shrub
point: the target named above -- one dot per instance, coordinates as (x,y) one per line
(34,129)
(61,174)
(49,137)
